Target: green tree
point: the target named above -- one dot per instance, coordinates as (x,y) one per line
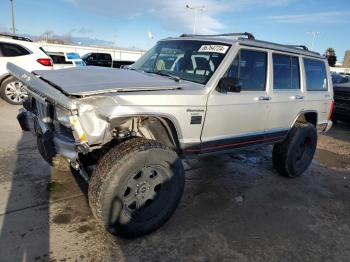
(331,57)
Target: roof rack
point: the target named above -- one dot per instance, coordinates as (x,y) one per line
(299,46)
(250,36)
(16,37)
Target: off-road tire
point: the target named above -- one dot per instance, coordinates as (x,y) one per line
(294,155)
(3,90)
(109,181)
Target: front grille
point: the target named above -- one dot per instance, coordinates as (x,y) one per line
(63,130)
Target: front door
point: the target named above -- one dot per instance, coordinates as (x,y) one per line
(238,119)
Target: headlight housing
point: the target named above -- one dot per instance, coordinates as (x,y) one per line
(62,116)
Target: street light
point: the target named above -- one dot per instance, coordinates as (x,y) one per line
(195,11)
(13,18)
(313,34)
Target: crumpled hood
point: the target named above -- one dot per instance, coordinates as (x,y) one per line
(93,80)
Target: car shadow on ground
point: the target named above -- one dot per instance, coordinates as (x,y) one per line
(340,130)
(24,233)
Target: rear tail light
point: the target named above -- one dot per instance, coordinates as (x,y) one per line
(330,114)
(45,61)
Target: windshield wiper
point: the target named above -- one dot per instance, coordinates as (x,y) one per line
(175,78)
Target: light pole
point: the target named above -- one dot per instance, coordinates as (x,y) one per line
(195,11)
(13,18)
(313,34)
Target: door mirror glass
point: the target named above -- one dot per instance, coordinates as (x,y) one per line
(229,84)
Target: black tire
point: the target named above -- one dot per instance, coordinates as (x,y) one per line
(294,155)
(124,193)
(18,97)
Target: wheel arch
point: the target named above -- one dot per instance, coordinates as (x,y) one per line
(162,128)
(3,78)
(306,116)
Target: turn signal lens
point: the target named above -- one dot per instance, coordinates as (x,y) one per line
(74,120)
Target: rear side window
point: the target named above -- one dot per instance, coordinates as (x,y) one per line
(249,67)
(316,75)
(10,50)
(59,59)
(105,57)
(285,72)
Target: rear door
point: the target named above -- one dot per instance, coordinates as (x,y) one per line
(287,92)
(318,87)
(238,119)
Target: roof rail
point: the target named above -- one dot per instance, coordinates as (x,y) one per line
(250,36)
(16,37)
(299,46)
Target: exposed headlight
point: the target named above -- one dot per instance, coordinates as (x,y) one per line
(62,116)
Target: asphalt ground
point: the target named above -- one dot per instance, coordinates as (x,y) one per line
(235,208)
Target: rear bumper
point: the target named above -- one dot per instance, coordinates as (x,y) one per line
(324,127)
(51,144)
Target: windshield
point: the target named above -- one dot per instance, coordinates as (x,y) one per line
(194,61)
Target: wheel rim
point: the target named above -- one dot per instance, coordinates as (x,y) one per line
(15,91)
(303,154)
(145,194)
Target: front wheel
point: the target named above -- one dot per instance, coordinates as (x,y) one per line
(13,91)
(294,155)
(136,187)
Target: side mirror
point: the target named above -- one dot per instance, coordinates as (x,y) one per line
(229,84)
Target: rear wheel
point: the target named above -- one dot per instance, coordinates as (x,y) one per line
(136,187)
(13,91)
(294,155)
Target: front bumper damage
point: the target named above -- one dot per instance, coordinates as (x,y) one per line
(51,144)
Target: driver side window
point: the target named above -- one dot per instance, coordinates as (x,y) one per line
(250,68)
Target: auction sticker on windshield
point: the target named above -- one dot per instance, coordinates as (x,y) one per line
(222,49)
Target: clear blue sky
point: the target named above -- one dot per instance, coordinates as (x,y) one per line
(126,23)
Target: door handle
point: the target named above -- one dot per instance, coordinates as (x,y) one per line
(264,98)
(298,97)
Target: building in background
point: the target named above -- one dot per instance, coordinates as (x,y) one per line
(346,61)
(117,54)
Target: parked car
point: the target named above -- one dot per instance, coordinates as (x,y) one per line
(122,63)
(65,59)
(188,96)
(342,101)
(105,59)
(340,78)
(24,53)
(98,59)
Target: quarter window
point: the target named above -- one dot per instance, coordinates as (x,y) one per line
(249,67)
(10,50)
(285,72)
(316,75)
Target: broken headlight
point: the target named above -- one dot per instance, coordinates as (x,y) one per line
(62,116)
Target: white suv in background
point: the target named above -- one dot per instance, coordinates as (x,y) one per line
(24,53)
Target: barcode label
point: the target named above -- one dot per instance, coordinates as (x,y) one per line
(222,49)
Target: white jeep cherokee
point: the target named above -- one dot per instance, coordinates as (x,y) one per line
(24,53)
(127,130)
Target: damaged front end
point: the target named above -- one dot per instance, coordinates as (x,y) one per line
(60,134)
(65,128)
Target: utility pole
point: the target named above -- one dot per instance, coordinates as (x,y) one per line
(313,34)
(195,11)
(13,18)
